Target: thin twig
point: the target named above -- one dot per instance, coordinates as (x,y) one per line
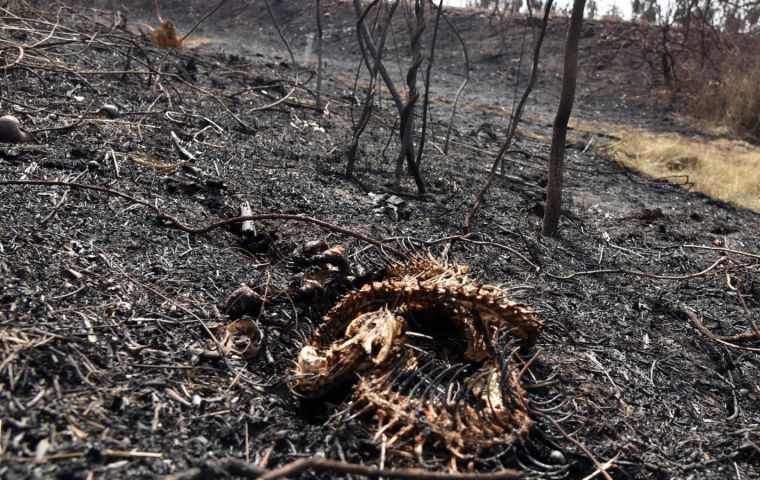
(369,99)
(292,59)
(70,126)
(18,58)
(701,327)
(585,273)
(211,12)
(212,226)
(747,312)
(578,444)
(723,249)
(318,99)
(513,124)
(426,95)
(461,86)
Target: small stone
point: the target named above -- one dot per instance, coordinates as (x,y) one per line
(395,201)
(315,246)
(378,199)
(243,301)
(11,131)
(557,457)
(109,111)
(72,274)
(40,451)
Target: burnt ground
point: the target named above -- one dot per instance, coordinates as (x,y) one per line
(108,367)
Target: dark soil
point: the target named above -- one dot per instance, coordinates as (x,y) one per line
(107,363)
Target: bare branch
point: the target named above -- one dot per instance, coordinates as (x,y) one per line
(513,124)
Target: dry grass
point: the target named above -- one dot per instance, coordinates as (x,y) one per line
(732,104)
(725,169)
(196,41)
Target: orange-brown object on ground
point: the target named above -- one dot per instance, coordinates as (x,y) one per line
(460,392)
(165,36)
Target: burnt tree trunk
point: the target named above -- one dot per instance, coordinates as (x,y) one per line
(559,135)
(371,89)
(406,128)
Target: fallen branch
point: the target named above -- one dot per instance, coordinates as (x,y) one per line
(161,215)
(723,249)
(380,243)
(585,273)
(701,327)
(185,153)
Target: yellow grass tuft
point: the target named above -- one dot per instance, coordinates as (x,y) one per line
(725,169)
(196,41)
(722,168)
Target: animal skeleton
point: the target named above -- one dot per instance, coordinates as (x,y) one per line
(464,409)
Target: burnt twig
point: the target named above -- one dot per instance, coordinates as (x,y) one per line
(461,86)
(513,123)
(203,19)
(426,96)
(701,327)
(292,59)
(600,468)
(161,215)
(318,99)
(369,99)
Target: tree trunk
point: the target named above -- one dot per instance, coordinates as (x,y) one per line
(370,98)
(559,135)
(406,128)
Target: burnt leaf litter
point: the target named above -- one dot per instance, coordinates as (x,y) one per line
(124,353)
